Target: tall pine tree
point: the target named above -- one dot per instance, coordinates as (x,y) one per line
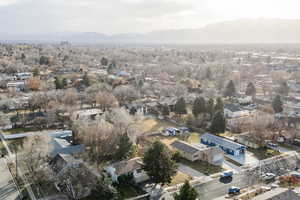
(250,90)
(277,104)
(199,106)
(230,89)
(180,107)
(186,192)
(158,164)
(218,124)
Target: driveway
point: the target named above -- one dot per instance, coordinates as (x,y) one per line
(193,173)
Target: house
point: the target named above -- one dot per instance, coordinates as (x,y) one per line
(24,75)
(126,167)
(62,145)
(16,86)
(244,100)
(76,172)
(248,140)
(201,152)
(228,146)
(234,110)
(87,114)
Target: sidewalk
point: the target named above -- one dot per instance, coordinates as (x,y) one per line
(8,189)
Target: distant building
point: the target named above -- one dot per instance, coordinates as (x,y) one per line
(233,111)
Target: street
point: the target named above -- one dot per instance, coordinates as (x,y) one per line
(8,189)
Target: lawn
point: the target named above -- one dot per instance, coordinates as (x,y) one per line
(194,138)
(179,178)
(202,166)
(127,191)
(263,153)
(152,125)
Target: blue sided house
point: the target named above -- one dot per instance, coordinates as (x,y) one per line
(229,147)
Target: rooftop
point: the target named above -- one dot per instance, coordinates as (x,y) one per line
(222,141)
(186,147)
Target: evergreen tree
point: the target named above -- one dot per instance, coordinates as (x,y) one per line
(36,72)
(165,110)
(124,148)
(277,104)
(64,82)
(218,124)
(44,60)
(86,80)
(58,83)
(219,105)
(104,61)
(210,107)
(199,106)
(180,107)
(250,90)
(208,74)
(230,89)
(186,192)
(23,56)
(283,89)
(158,164)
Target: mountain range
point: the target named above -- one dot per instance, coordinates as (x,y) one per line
(237,31)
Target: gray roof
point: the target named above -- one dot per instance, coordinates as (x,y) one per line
(185,147)
(232,107)
(222,141)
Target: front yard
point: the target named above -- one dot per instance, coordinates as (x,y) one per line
(263,153)
(202,166)
(180,178)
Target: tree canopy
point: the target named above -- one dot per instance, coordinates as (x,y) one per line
(218,124)
(199,106)
(158,164)
(180,107)
(230,89)
(277,104)
(250,90)
(186,192)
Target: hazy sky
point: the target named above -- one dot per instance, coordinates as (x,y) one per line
(122,16)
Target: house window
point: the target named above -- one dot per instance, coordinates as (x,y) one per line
(138,171)
(195,156)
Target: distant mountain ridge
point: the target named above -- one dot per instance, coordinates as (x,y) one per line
(237,31)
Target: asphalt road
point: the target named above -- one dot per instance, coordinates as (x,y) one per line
(215,188)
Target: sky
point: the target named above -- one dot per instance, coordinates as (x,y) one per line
(129,16)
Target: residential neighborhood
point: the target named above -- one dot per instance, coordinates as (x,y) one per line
(169,112)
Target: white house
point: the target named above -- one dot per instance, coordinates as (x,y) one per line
(125,167)
(234,111)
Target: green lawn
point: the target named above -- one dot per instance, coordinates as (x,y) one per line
(127,191)
(264,153)
(202,166)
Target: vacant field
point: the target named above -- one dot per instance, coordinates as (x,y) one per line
(150,125)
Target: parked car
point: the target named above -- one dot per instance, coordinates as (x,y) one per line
(268,177)
(272,145)
(234,190)
(227,174)
(295,174)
